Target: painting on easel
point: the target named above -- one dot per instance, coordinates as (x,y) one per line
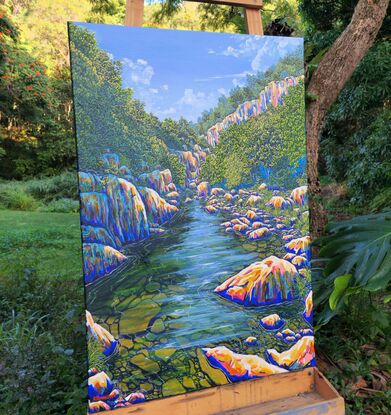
(194,215)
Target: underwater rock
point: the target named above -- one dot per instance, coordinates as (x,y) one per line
(270,281)
(245,220)
(289,336)
(299,356)
(93,234)
(240,366)
(278,202)
(308,308)
(158,210)
(300,246)
(258,234)
(203,189)
(263,186)
(188,200)
(251,340)
(272,322)
(299,194)
(99,260)
(105,338)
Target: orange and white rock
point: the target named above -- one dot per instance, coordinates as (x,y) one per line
(299,195)
(105,338)
(270,281)
(240,366)
(300,355)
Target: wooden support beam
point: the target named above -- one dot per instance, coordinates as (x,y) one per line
(134,13)
(253,21)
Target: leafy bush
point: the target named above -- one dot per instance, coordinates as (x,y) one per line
(55,187)
(15,197)
(42,346)
(356,259)
(63,205)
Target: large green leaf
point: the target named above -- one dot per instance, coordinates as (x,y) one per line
(355,256)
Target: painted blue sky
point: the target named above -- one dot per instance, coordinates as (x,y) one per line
(182,73)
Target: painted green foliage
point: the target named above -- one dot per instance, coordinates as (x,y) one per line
(274,140)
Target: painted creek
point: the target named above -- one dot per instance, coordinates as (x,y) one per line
(162,307)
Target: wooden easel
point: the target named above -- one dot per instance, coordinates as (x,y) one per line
(135,11)
(305,392)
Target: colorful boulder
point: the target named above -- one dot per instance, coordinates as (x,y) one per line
(263,186)
(258,234)
(157,209)
(95,234)
(239,366)
(100,260)
(308,308)
(107,340)
(300,246)
(211,209)
(272,322)
(251,340)
(99,406)
(254,200)
(203,189)
(88,182)
(299,195)
(228,197)
(110,161)
(270,281)
(299,356)
(216,191)
(99,387)
(250,214)
(278,202)
(157,180)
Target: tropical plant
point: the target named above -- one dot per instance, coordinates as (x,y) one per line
(355,257)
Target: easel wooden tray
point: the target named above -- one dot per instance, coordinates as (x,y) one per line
(306,392)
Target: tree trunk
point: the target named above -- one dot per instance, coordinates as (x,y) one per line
(327,82)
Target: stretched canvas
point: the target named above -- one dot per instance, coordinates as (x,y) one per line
(194,216)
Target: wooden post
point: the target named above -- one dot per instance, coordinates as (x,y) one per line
(134,13)
(135,10)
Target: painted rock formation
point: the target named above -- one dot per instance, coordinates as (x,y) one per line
(240,366)
(99,260)
(300,355)
(107,340)
(300,246)
(203,189)
(157,180)
(258,234)
(299,194)
(272,322)
(102,395)
(270,281)
(308,308)
(157,209)
(278,202)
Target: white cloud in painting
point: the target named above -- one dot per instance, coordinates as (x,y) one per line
(231,51)
(211,51)
(137,72)
(165,87)
(110,55)
(222,91)
(153,90)
(194,102)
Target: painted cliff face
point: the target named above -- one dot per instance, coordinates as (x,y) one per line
(194,214)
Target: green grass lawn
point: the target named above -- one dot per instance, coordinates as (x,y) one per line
(46,242)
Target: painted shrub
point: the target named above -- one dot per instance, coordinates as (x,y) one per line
(194,211)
